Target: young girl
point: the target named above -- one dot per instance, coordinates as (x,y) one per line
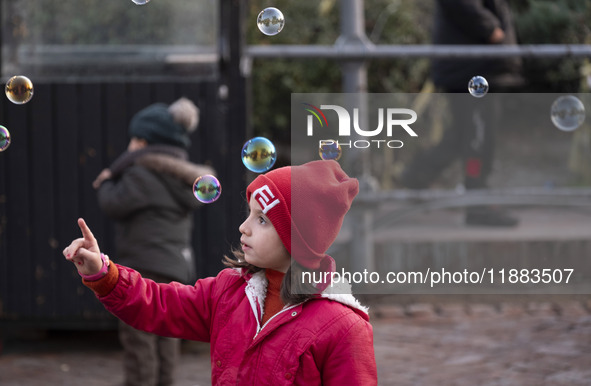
(265,325)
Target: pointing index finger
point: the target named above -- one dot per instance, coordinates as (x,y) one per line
(86,233)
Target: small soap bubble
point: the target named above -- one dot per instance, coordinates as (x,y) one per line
(270,21)
(140,2)
(330,149)
(258,154)
(567,113)
(207,189)
(19,89)
(4,138)
(478,86)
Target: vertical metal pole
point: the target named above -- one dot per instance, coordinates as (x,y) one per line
(355,74)
(1,37)
(231,109)
(355,83)
(353,33)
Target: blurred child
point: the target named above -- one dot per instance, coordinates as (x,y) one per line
(147,192)
(264,323)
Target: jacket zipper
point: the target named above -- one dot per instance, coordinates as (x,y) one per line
(271,318)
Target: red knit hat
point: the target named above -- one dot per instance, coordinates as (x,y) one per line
(320,194)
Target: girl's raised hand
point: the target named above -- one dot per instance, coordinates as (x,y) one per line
(84,252)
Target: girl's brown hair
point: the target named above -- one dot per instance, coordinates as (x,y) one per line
(293,289)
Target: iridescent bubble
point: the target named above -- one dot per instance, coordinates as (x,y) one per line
(4,138)
(330,149)
(207,189)
(258,154)
(140,2)
(19,89)
(478,86)
(270,21)
(567,113)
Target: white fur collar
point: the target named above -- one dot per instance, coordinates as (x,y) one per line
(256,289)
(341,292)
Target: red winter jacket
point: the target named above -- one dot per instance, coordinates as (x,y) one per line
(326,340)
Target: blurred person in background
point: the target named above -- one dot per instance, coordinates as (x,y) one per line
(470,134)
(147,191)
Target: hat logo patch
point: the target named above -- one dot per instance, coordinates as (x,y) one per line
(263,195)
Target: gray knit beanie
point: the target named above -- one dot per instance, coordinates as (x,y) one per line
(167,125)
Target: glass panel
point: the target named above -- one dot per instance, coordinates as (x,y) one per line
(87,38)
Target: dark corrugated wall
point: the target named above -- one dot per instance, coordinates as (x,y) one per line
(61,140)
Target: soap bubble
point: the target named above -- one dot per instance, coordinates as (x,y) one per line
(140,2)
(270,21)
(258,154)
(329,149)
(478,86)
(207,189)
(19,89)
(567,113)
(4,138)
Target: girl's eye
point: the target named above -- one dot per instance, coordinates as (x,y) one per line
(262,220)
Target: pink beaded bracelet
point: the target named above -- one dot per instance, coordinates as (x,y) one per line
(101,273)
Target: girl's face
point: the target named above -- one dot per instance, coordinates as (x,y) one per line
(260,241)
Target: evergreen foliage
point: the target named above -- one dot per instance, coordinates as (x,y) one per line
(396,22)
(553,22)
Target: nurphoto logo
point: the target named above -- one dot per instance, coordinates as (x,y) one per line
(392,119)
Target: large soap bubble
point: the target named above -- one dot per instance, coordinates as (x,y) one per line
(207,189)
(4,138)
(329,149)
(478,86)
(258,154)
(19,89)
(567,113)
(270,21)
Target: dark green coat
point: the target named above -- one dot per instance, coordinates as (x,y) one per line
(152,202)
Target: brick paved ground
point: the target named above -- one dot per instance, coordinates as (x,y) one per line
(525,343)
(502,341)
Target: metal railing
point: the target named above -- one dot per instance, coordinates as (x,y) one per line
(362,51)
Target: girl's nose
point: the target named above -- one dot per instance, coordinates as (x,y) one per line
(242,228)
